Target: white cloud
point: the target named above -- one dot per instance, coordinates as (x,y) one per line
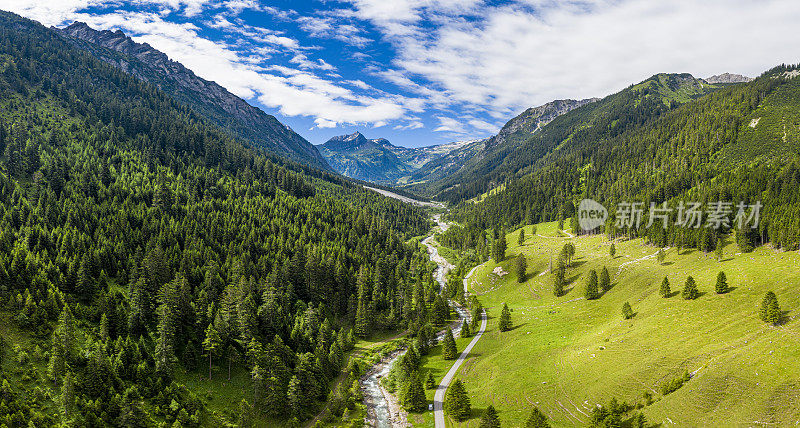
(333,28)
(509,57)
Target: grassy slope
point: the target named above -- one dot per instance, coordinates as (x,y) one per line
(565,355)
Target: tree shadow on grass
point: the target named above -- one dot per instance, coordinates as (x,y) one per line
(578,264)
(667,263)
(673,294)
(516,326)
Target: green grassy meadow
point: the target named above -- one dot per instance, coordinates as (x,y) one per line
(566,354)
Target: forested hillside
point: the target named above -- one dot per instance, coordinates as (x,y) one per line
(737,144)
(141,243)
(589,122)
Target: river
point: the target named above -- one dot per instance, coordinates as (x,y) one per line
(383,409)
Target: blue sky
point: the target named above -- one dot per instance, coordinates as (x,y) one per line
(422,72)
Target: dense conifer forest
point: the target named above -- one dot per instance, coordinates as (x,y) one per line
(140,242)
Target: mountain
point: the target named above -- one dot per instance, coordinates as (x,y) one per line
(357,157)
(728,78)
(207,98)
(516,150)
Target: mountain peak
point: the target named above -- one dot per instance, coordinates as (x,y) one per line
(727,78)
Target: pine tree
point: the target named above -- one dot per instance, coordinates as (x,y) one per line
(505,319)
(430,382)
(414,398)
(661,255)
(67,399)
(521,239)
(612,250)
(522,267)
(770,310)
(665,291)
(440,311)
(690,289)
(465,332)
(489,418)
(362,327)
(559,281)
(537,419)
(449,351)
(627,312)
(605,280)
(499,248)
(722,283)
(211,343)
(719,250)
(591,292)
(456,401)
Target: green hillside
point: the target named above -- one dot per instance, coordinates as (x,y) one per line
(155,270)
(565,354)
(607,118)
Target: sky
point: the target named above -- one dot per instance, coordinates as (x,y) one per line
(423,72)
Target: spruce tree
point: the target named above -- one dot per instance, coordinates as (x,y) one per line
(770,310)
(559,281)
(627,312)
(591,292)
(489,418)
(690,289)
(612,250)
(211,343)
(521,239)
(440,311)
(722,283)
(522,268)
(67,399)
(414,398)
(719,249)
(505,319)
(430,382)
(605,280)
(537,419)
(465,332)
(499,248)
(665,291)
(449,351)
(456,401)
(661,256)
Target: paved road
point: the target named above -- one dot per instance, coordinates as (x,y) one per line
(438,398)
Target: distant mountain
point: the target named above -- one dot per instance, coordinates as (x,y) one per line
(357,157)
(727,78)
(380,161)
(207,98)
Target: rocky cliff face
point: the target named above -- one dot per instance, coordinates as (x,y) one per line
(534,118)
(206,97)
(727,78)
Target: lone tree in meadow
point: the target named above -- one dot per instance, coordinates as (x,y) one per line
(690,289)
(456,401)
(770,310)
(505,319)
(559,281)
(722,283)
(499,248)
(591,286)
(521,239)
(612,251)
(465,332)
(489,418)
(522,268)
(664,291)
(449,351)
(627,312)
(537,419)
(605,280)
(661,256)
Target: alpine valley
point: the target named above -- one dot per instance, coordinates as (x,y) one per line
(173,256)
